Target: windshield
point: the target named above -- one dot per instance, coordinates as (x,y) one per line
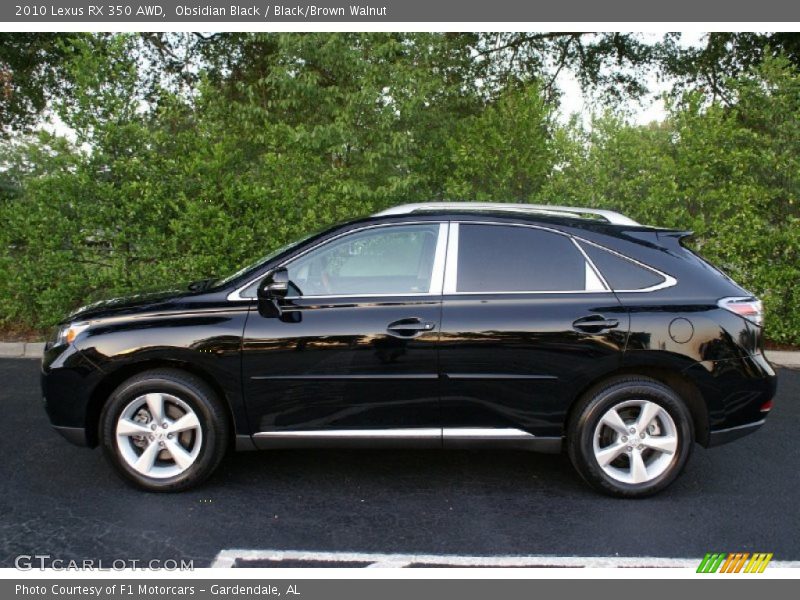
(263,259)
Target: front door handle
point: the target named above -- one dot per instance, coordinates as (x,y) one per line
(410,327)
(594,324)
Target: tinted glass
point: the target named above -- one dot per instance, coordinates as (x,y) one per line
(497,258)
(386,260)
(620,273)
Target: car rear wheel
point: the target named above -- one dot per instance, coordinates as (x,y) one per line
(164,430)
(631,437)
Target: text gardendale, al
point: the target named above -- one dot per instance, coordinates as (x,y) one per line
(281,10)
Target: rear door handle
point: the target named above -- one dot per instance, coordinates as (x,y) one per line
(594,324)
(410,327)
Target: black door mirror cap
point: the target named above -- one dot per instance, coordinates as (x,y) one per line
(275,285)
(271,290)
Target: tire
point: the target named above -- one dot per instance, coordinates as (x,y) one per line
(615,456)
(171,453)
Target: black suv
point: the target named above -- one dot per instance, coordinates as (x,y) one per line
(443,325)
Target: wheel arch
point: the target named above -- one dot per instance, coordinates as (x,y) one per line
(113,380)
(674,379)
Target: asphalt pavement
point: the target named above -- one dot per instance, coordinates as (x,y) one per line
(66,502)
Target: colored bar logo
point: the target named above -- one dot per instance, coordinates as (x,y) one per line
(734,562)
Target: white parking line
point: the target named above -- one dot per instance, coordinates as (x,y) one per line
(227,559)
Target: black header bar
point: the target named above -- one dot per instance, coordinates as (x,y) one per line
(388,11)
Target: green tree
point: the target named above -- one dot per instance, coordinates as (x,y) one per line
(505,153)
(731,174)
(189,171)
(32,71)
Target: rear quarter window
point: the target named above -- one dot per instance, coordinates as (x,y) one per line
(621,273)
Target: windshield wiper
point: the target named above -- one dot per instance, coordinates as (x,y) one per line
(201,284)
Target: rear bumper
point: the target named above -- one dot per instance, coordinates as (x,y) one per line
(734,391)
(723,436)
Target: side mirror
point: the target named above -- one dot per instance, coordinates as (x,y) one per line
(272,288)
(275,285)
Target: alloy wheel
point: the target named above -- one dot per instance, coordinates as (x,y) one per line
(635,441)
(159,435)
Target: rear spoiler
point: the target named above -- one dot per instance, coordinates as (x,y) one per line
(669,238)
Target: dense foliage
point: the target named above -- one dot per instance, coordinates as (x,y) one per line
(194,170)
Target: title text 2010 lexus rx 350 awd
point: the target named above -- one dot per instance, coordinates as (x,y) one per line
(432,325)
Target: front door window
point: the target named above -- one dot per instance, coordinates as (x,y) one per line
(380,261)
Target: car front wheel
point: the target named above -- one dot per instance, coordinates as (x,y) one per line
(630,437)
(164,430)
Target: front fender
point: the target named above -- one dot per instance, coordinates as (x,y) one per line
(76,380)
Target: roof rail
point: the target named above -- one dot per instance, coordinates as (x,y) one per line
(611,216)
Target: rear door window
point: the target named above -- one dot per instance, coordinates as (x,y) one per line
(500,258)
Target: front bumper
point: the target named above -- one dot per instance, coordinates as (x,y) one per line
(68,380)
(74,435)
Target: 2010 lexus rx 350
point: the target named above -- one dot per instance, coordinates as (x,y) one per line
(434,325)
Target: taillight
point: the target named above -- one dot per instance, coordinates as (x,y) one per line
(749,307)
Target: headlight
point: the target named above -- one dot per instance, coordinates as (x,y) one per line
(67,333)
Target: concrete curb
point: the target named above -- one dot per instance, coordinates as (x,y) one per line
(780,358)
(21,349)
(784,358)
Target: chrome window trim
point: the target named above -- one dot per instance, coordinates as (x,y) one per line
(668,282)
(449,265)
(522,293)
(451,268)
(592,281)
(438,263)
(329,296)
(590,264)
(439,260)
(235,295)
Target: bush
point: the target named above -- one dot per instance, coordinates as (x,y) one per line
(151,194)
